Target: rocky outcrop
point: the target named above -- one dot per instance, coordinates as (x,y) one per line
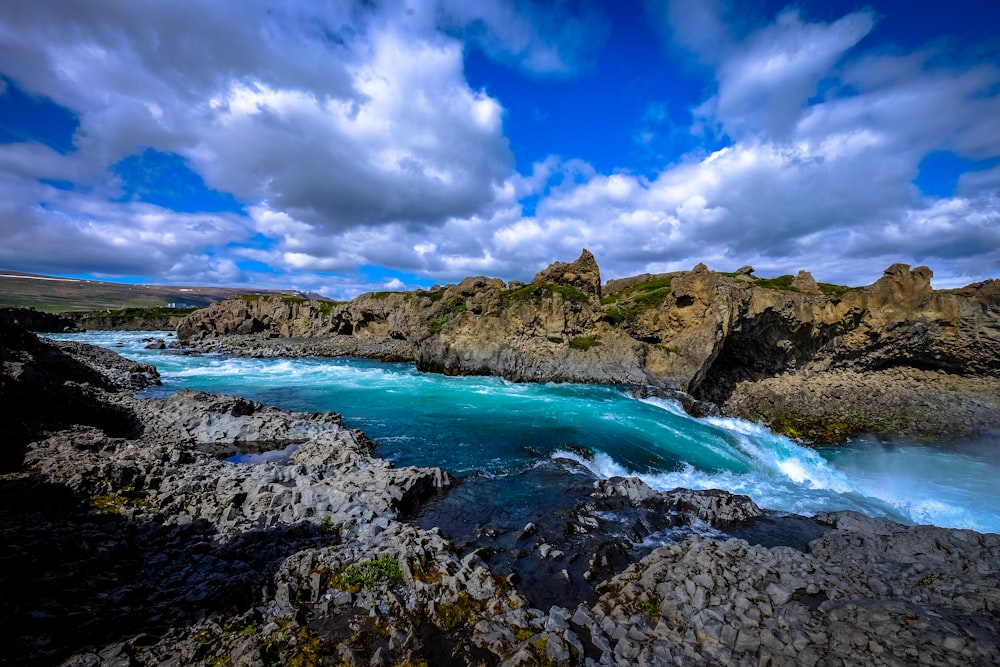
(55,385)
(734,340)
(582,274)
(33,320)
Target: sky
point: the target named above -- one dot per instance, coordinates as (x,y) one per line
(342,147)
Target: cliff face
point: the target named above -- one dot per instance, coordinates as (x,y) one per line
(707,333)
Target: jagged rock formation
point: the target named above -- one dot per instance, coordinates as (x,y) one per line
(721,337)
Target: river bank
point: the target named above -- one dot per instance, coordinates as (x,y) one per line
(314,560)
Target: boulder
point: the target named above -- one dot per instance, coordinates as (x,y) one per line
(805,283)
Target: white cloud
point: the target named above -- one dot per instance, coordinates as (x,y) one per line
(351,136)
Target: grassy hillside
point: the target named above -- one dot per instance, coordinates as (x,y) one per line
(60,295)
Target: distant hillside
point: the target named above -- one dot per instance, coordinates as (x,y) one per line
(61,295)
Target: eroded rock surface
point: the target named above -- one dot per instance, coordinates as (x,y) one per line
(747,344)
(147,548)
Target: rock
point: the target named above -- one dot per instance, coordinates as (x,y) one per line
(805,283)
(582,274)
(735,342)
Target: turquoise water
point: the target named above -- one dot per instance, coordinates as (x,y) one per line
(501,429)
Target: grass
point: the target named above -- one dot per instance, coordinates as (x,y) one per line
(784,283)
(780,283)
(630,302)
(144,313)
(584,342)
(371,573)
(438,324)
(537,292)
(836,292)
(434,296)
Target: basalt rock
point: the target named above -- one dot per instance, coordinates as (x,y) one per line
(146,547)
(724,338)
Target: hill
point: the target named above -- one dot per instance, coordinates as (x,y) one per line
(61,295)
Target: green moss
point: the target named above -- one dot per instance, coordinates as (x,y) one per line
(116,501)
(426,571)
(608,300)
(460,308)
(250,297)
(670,349)
(584,342)
(291,298)
(452,614)
(308,649)
(382,295)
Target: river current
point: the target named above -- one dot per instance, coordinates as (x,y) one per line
(511,434)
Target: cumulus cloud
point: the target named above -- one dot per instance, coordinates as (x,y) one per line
(351,137)
(334,116)
(824,145)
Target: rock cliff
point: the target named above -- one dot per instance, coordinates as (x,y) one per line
(748,344)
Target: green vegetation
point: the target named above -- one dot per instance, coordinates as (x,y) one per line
(434,296)
(116,501)
(369,574)
(784,283)
(437,325)
(650,608)
(584,342)
(290,298)
(537,292)
(451,614)
(63,295)
(326,307)
(146,313)
(615,316)
(631,301)
(780,283)
(836,292)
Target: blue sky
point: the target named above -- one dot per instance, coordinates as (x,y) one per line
(342,147)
